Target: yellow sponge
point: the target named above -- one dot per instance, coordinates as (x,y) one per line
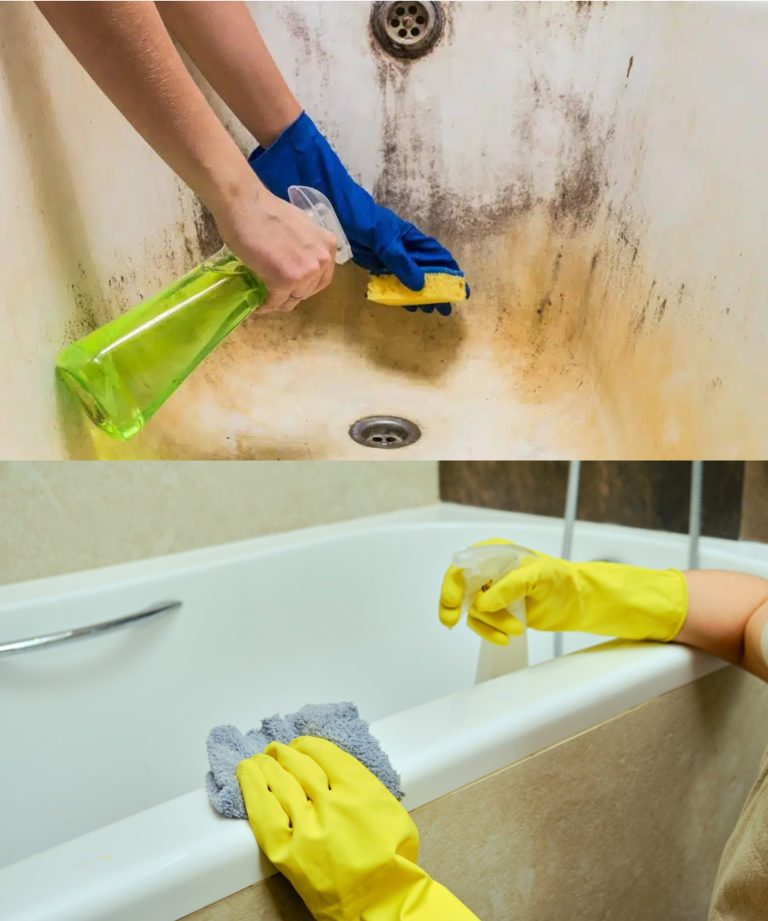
(439,288)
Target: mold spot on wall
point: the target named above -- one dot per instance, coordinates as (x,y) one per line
(579,187)
(629,65)
(208,238)
(83,320)
(638,318)
(309,40)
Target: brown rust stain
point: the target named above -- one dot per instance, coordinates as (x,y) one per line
(569,332)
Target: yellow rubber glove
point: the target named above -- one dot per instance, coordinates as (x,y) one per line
(339,836)
(610,599)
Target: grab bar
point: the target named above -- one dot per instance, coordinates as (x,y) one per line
(37,642)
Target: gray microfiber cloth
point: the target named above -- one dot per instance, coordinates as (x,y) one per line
(339,723)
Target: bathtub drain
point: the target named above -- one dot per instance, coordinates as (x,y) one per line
(385,432)
(407,30)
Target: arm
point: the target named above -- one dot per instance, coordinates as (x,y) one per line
(722,613)
(128,52)
(224,42)
(728,617)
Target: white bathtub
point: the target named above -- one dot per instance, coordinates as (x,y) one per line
(103,813)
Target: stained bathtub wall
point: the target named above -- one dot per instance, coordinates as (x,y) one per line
(596,168)
(67,516)
(627,820)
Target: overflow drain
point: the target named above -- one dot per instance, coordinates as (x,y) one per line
(384,432)
(407,30)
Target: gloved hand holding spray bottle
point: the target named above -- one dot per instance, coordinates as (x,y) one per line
(609,599)
(477,568)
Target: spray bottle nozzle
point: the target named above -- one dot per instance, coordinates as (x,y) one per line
(316,206)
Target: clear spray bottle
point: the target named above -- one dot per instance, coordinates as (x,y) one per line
(482,565)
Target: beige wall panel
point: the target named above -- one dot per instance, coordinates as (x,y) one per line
(66,516)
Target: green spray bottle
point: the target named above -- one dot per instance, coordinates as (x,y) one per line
(124,371)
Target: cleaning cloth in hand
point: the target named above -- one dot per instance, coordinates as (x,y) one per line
(339,723)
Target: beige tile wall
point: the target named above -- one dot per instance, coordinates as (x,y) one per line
(62,516)
(623,822)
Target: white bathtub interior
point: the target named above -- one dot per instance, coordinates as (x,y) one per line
(106,727)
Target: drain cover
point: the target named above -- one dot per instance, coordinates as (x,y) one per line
(407,30)
(384,432)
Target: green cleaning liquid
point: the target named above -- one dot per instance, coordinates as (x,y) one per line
(124,371)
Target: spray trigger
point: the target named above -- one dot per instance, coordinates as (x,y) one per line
(483,565)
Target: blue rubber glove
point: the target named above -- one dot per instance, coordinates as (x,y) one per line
(381,242)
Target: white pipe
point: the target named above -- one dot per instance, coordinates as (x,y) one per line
(694,513)
(569,523)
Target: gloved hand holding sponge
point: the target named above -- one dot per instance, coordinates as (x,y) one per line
(408,268)
(610,599)
(339,836)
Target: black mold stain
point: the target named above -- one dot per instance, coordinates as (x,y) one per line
(207,233)
(309,44)
(90,306)
(85,319)
(546,300)
(660,311)
(414,164)
(638,320)
(581,315)
(578,190)
(633,245)
(409,155)
(629,66)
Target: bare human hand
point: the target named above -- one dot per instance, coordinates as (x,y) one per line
(127,50)
(292,256)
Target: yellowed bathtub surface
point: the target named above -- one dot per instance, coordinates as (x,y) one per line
(597,169)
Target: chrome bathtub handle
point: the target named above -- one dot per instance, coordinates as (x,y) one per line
(63,636)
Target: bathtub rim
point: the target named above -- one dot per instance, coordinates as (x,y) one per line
(33,591)
(170,860)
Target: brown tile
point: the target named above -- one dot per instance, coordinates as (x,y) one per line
(754,506)
(644,494)
(536,487)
